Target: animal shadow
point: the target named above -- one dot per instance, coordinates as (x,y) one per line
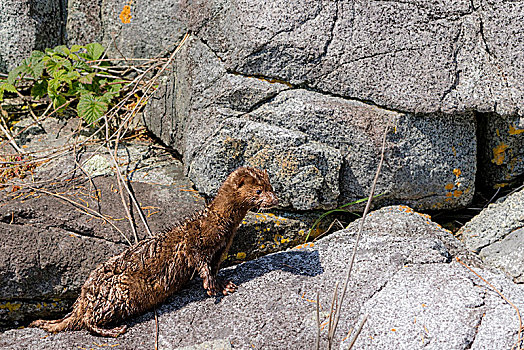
(297,262)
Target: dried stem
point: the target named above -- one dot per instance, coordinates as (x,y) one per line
(86,209)
(357,333)
(359,234)
(156,330)
(317,345)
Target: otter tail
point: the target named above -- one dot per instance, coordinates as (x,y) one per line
(53,326)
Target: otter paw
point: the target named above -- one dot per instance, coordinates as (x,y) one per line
(229,287)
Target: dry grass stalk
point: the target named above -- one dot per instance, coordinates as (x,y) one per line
(87,210)
(336,316)
(136,93)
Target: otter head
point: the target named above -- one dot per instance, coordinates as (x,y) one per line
(251,188)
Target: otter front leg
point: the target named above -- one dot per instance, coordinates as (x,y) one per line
(211,284)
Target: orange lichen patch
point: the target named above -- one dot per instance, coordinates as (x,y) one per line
(426,216)
(500,185)
(497,132)
(393,330)
(454,151)
(449,186)
(406,209)
(125,15)
(457,193)
(515,131)
(305,245)
(457,172)
(499,153)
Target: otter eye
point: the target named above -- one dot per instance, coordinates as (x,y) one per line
(258,191)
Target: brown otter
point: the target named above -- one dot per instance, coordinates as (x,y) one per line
(145,274)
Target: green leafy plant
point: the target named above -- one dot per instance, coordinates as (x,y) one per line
(72,77)
(342,208)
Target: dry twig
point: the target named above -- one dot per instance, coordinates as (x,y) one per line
(336,317)
(87,210)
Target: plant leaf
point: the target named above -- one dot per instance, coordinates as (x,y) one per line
(62,50)
(87,79)
(58,100)
(39,89)
(8,87)
(91,108)
(94,51)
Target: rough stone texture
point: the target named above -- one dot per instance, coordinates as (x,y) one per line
(497,235)
(84,22)
(264,233)
(507,254)
(321,150)
(405,277)
(501,149)
(27,25)
(410,56)
(151,28)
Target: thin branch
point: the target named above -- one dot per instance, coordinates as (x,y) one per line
(317,345)
(361,226)
(357,333)
(86,209)
(119,181)
(331,330)
(10,138)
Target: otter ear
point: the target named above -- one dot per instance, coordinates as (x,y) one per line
(240,181)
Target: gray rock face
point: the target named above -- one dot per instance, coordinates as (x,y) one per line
(428,61)
(84,24)
(140,29)
(321,151)
(497,235)
(27,25)
(410,56)
(417,296)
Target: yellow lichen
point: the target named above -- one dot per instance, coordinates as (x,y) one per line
(457,172)
(515,131)
(10,306)
(499,153)
(500,185)
(241,256)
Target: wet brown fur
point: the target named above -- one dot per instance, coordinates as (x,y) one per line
(145,274)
